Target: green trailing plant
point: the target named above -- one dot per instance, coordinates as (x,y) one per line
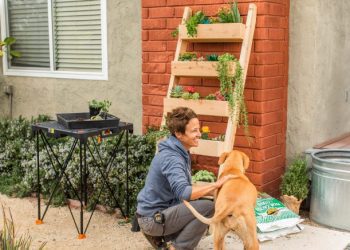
(176,91)
(230,15)
(193,21)
(5,45)
(204,175)
(233,95)
(295,181)
(175,32)
(188,56)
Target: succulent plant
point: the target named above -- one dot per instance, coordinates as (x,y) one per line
(195,96)
(176,92)
(186,95)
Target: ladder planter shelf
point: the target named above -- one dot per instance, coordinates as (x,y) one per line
(217,32)
(210,33)
(208,148)
(198,68)
(201,107)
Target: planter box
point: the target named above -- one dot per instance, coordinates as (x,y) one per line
(201,107)
(198,69)
(208,148)
(83,121)
(217,32)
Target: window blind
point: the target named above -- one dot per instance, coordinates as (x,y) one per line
(28,23)
(77,35)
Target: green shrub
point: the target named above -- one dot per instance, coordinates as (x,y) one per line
(295,180)
(18,166)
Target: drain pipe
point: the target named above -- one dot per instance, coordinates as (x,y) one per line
(8,90)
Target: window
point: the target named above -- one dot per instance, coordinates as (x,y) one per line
(56,38)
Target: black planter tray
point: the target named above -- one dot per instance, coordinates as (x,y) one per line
(83,121)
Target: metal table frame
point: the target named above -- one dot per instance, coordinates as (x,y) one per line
(82,137)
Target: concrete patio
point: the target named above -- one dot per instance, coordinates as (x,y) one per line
(311,238)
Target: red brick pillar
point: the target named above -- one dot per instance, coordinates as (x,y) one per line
(266,84)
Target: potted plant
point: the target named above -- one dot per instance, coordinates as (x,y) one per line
(295,184)
(99,108)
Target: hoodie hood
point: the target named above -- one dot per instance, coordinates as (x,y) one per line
(173,144)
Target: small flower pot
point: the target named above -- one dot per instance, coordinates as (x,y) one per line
(94,111)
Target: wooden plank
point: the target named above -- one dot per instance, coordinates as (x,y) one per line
(200,107)
(198,68)
(208,148)
(180,49)
(218,32)
(244,61)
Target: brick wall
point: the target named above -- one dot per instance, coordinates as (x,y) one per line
(266,84)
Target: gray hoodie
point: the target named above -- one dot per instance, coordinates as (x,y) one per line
(169,179)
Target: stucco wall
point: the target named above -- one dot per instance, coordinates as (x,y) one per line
(34,95)
(318,73)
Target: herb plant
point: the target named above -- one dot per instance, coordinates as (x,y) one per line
(295,181)
(193,21)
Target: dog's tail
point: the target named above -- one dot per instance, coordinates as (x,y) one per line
(200,217)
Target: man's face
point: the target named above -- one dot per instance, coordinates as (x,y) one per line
(192,134)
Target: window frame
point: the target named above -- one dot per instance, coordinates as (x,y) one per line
(50,72)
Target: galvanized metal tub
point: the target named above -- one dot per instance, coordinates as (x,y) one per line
(330,195)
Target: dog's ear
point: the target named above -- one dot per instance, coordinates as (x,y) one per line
(246,160)
(222,158)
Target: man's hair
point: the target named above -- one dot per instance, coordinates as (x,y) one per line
(178,119)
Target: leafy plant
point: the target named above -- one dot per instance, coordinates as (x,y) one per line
(295,180)
(102,106)
(154,134)
(193,21)
(6,43)
(8,237)
(188,56)
(204,175)
(176,92)
(230,15)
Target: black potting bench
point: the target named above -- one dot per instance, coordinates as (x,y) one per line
(87,140)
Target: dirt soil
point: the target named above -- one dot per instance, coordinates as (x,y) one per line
(104,232)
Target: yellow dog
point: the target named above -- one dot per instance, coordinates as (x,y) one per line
(235,202)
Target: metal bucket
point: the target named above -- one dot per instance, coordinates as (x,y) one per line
(330,197)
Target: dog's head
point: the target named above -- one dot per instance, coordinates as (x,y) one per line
(235,159)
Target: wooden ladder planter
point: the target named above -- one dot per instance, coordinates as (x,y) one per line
(198,68)
(209,33)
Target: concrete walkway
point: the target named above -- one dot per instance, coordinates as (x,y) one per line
(311,238)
